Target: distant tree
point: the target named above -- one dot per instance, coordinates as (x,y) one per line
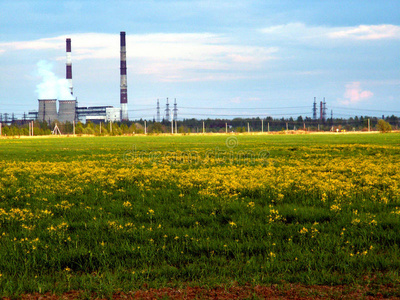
(157,128)
(139,128)
(384,126)
(88,130)
(124,128)
(79,128)
(132,128)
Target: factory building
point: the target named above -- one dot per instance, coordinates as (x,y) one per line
(97,114)
(47,110)
(69,112)
(68,109)
(113,114)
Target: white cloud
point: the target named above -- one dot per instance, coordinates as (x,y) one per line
(367,32)
(295,31)
(41,44)
(254,99)
(236,100)
(301,31)
(355,94)
(169,57)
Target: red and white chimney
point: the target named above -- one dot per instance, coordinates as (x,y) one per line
(124,85)
(69,66)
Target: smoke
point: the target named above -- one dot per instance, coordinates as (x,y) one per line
(51,86)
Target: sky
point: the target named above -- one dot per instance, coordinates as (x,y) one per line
(217,58)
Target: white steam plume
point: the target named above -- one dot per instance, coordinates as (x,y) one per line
(51,86)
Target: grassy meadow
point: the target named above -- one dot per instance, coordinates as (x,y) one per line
(104,214)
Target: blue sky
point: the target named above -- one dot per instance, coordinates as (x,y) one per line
(217,58)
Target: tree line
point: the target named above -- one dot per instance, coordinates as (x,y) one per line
(237,125)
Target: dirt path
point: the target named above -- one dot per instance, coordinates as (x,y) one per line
(238,292)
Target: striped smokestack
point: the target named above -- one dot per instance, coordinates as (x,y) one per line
(124,85)
(69,66)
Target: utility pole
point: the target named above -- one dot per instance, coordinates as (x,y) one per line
(226,127)
(175,110)
(172,124)
(204,129)
(145,127)
(369,125)
(0,129)
(262,125)
(287,127)
(248,127)
(268,126)
(73,127)
(100,128)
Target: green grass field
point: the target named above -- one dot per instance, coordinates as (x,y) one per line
(104,214)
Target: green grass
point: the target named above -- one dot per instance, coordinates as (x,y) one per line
(84,213)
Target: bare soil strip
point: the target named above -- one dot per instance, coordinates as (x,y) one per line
(292,291)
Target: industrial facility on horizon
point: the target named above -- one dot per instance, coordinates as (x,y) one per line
(68,109)
(65,108)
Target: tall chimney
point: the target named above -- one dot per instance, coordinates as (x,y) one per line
(69,66)
(124,85)
(321,111)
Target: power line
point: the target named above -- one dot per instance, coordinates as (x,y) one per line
(362,109)
(243,108)
(242,115)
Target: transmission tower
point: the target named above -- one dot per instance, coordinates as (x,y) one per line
(324,110)
(167,110)
(158,111)
(315,109)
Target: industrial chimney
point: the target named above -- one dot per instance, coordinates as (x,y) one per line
(124,85)
(69,66)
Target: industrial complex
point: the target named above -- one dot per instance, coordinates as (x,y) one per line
(68,109)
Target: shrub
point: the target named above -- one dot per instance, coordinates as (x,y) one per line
(384,126)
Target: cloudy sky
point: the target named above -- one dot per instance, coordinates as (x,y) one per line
(217,58)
